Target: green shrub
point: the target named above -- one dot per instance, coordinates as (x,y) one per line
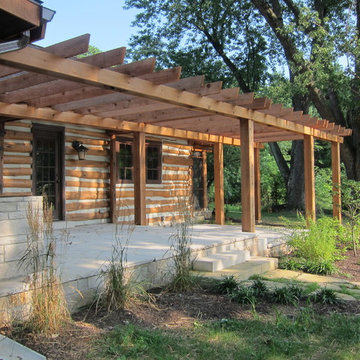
(226,285)
(319,242)
(324,267)
(243,295)
(325,296)
(321,267)
(285,295)
(260,290)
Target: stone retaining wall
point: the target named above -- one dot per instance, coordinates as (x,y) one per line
(13,233)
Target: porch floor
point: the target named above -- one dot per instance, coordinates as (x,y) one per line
(89,247)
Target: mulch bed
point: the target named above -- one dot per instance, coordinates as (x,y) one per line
(169,311)
(349,267)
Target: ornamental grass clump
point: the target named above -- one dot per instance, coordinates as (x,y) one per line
(48,307)
(180,245)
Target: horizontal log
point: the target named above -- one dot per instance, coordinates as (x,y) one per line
(87,184)
(87,141)
(87,174)
(86,163)
(17,135)
(84,132)
(71,151)
(20,124)
(175,177)
(180,146)
(177,160)
(150,193)
(15,147)
(17,183)
(175,168)
(87,205)
(177,152)
(87,216)
(12,159)
(86,195)
(17,171)
(10,194)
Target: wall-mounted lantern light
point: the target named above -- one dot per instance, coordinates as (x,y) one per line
(80,148)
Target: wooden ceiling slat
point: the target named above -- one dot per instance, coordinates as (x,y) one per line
(132,104)
(79,91)
(102,96)
(67,48)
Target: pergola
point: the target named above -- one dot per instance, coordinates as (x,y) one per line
(101,91)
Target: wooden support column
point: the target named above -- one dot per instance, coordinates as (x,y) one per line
(257,186)
(309,175)
(204,179)
(247,175)
(113,180)
(139,178)
(219,183)
(336,179)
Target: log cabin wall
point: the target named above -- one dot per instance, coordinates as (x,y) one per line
(87,181)
(17,169)
(164,201)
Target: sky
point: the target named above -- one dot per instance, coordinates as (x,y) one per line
(106,21)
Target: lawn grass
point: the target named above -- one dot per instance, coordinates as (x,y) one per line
(304,336)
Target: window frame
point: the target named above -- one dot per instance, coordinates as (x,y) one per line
(150,143)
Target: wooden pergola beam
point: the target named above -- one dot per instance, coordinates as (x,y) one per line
(139,178)
(39,61)
(219,183)
(336,179)
(309,176)
(247,175)
(25,10)
(204,179)
(257,185)
(67,48)
(23,111)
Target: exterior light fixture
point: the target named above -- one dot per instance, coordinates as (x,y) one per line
(80,148)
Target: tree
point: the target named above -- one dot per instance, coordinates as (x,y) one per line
(251,45)
(314,35)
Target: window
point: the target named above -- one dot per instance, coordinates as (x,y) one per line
(125,162)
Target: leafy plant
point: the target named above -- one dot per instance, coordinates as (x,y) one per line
(325,296)
(284,295)
(243,295)
(260,290)
(227,285)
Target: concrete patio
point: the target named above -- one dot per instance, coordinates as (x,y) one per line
(84,250)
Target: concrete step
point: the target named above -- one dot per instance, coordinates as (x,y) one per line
(256,265)
(220,260)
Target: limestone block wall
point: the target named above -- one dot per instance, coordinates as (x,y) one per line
(13,233)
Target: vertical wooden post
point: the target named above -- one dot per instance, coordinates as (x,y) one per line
(113,179)
(139,178)
(219,183)
(336,179)
(257,186)
(247,175)
(204,179)
(2,144)
(309,175)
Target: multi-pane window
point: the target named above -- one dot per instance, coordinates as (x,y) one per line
(125,162)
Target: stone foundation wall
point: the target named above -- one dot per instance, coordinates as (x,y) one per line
(13,233)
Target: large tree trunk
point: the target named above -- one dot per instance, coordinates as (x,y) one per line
(295,185)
